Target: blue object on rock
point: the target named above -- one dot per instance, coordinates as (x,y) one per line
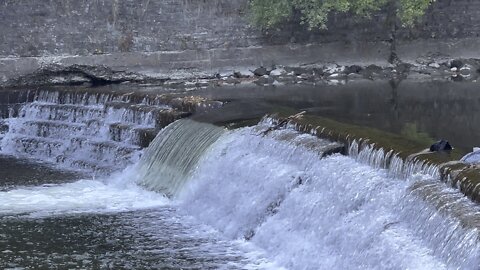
(472,157)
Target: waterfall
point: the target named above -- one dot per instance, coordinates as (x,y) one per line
(314,212)
(174,153)
(94,132)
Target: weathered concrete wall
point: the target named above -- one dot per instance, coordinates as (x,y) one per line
(159,36)
(85,27)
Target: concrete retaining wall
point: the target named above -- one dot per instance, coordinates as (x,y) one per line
(161,36)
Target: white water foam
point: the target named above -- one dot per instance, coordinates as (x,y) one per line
(332,213)
(118,193)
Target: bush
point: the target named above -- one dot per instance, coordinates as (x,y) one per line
(314,13)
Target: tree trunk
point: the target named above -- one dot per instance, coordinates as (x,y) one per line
(392,25)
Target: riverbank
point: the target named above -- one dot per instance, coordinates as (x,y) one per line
(58,71)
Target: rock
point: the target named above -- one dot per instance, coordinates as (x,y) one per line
(353,69)
(243,74)
(403,68)
(374,69)
(231,80)
(226,73)
(441,145)
(296,71)
(261,71)
(456,64)
(264,80)
(371,71)
(457,78)
(277,83)
(333,68)
(454,69)
(354,76)
(77,74)
(278,72)
(434,65)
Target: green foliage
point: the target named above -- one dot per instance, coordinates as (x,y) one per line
(314,13)
(411,10)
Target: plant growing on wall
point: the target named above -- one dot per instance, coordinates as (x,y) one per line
(314,13)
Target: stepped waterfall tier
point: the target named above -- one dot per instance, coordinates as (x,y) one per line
(94,132)
(259,197)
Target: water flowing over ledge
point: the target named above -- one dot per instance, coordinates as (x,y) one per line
(400,156)
(334,212)
(171,157)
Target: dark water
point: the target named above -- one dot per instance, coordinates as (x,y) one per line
(425,111)
(147,239)
(15,172)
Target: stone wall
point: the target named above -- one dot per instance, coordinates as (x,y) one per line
(161,36)
(84,27)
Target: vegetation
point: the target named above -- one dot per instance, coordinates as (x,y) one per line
(314,13)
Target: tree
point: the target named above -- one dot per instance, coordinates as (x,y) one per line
(314,13)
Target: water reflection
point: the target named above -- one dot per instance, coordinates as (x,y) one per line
(425,110)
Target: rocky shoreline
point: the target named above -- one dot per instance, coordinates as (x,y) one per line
(424,69)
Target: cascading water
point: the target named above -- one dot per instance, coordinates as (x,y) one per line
(174,153)
(93,132)
(276,190)
(331,213)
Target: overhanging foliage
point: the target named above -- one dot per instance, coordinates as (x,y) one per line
(314,13)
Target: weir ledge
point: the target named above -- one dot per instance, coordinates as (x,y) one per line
(408,156)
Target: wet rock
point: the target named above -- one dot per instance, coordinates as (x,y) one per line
(403,68)
(334,149)
(441,145)
(456,64)
(277,83)
(261,71)
(278,72)
(457,78)
(3,127)
(264,80)
(226,73)
(231,80)
(354,76)
(77,74)
(296,71)
(353,69)
(371,71)
(146,136)
(333,76)
(243,74)
(333,68)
